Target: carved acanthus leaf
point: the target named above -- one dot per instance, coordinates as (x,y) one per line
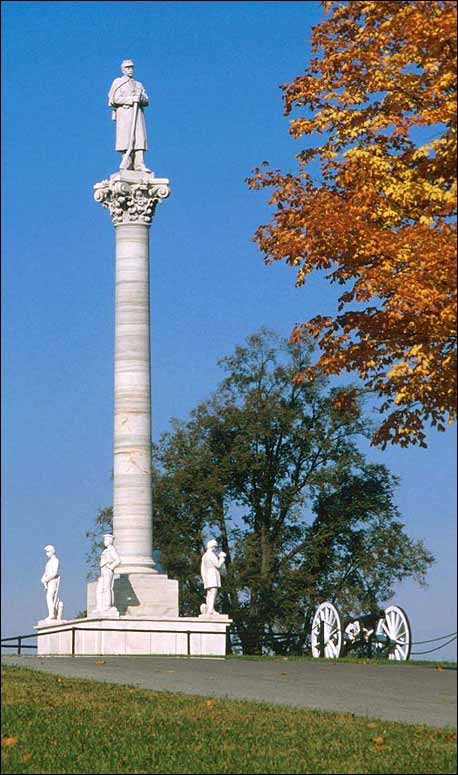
(131,202)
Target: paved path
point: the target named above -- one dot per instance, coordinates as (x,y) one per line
(417,694)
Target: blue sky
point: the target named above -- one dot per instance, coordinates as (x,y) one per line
(212,71)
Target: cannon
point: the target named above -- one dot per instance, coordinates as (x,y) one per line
(385,633)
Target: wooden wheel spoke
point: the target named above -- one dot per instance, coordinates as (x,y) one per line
(326,618)
(396,626)
(391,627)
(384,627)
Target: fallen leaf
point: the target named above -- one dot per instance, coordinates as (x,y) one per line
(372,725)
(378,740)
(26,757)
(7,741)
(99,662)
(210,703)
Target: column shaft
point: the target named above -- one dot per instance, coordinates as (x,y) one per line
(132,497)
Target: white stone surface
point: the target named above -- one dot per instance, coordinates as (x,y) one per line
(131,198)
(177,636)
(212,616)
(132,506)
(51,582)
(210,564)
(109,561)
(128,98)
(150,595)
(141,593)
(46,622)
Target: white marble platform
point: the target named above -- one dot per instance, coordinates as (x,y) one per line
(175,636)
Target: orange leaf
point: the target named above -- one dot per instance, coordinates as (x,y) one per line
(7,741)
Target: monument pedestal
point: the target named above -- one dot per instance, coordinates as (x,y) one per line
(151,595)
(108,613)
(172,636)
(47,622)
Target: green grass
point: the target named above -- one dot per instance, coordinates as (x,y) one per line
(52,724)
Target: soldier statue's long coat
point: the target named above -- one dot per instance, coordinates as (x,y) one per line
(120,99)
(209,569)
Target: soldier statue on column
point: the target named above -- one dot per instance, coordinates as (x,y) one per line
(128,98)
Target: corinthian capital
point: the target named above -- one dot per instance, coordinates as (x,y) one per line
(131,197)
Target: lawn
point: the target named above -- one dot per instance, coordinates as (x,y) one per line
(52,724)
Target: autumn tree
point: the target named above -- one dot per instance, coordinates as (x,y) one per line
(378,100)
(272,470)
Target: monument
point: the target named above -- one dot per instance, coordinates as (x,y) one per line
(133,606)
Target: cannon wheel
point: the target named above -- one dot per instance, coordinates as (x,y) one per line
(327,613)
(395,625)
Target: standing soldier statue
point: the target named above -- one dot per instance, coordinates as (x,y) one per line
(51,581)
(127,98)
(211,577)
(109,561)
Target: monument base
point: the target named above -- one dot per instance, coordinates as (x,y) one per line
(48,621)
(175,636)
(109,613)
(151,595)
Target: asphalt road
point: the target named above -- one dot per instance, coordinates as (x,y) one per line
(418,694)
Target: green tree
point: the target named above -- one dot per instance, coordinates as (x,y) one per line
(271,468)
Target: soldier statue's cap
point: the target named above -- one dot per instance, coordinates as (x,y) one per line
(108,535)
(49,546)
(126,62)
(211,543)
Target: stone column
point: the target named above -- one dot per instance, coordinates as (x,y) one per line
(132,507)
(132,197)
